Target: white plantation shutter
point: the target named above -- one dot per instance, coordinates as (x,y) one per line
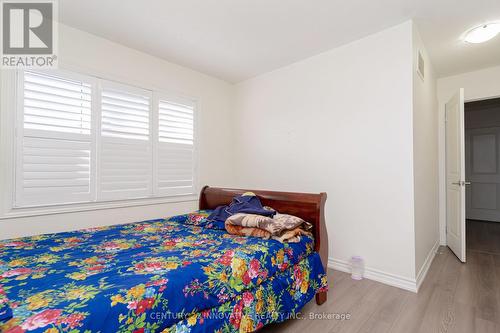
(125,152)
(55,140)
(176,147)
(80,139)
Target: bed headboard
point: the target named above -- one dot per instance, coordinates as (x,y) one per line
(308,206)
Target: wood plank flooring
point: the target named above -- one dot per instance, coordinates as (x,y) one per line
(454,297)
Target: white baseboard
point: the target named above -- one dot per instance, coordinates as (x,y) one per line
(427,264)
(376,275)
(388,278)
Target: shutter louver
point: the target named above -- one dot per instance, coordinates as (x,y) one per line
(125,155)
(125,115)
(56,104)
(176,148)
(56,144)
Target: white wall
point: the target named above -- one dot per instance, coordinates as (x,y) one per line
(478,85)
(348,121)
(425,159)
(482,84)
(87,53)
(340,122)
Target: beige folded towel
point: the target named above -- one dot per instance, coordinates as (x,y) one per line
(283,227)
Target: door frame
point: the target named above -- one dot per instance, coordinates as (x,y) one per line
(442,159)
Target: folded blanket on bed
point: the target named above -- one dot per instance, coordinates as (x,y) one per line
(283,227)
(247,203)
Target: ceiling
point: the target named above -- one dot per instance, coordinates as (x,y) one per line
(238,39)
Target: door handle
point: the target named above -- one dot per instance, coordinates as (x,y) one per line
(461,183)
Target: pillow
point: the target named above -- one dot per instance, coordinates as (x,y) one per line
(198,218)
(195,218)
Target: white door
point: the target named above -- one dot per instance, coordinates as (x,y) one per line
(482,157)
(455,175)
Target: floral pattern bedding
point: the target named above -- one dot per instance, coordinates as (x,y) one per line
(179,274)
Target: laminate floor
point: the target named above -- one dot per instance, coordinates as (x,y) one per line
(454,297)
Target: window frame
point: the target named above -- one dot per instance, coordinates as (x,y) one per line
(13,133)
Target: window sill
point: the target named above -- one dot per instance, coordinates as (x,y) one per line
(74,208)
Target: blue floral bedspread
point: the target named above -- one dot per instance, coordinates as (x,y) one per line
(174,275)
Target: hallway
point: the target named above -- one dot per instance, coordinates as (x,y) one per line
(483,237)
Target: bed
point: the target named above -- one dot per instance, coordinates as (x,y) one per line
(177,274)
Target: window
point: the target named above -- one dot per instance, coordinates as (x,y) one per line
(82,139)
(54,151)
(176,152)
(125,154)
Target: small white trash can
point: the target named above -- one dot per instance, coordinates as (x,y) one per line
(357,268)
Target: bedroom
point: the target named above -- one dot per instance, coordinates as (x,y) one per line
(297,98)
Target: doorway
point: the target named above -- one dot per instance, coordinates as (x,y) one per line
(482,170)
(472,175)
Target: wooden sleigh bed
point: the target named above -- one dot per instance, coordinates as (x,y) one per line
(171,274)
(308,206)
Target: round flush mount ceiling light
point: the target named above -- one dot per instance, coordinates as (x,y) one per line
(483,33)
